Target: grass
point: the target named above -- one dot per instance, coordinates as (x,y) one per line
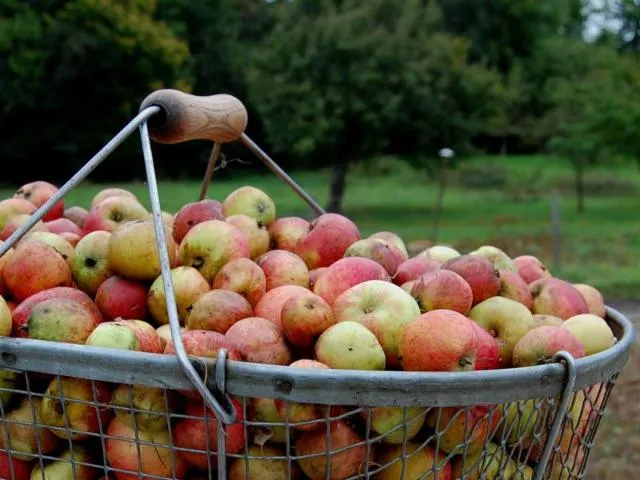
(502,201)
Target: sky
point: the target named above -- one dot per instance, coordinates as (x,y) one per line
(597,22)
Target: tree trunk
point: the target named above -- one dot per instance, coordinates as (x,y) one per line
(442,185)
(579,185)
(337,187)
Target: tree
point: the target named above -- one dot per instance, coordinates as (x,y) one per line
(627,13)
(73,72)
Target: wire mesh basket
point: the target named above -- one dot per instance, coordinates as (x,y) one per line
(75,412)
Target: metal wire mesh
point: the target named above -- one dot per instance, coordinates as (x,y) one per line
(84,429)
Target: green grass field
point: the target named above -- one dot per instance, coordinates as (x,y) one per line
(502,201)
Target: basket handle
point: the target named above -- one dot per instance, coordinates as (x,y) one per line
(220,118)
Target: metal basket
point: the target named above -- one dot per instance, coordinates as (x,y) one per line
(194,418)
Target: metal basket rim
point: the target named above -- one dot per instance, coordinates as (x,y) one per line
(342,387)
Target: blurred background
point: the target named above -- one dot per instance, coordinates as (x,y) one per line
(540,101)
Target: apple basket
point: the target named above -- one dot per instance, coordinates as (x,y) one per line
(70,411)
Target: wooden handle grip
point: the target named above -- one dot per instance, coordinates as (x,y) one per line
(221,118)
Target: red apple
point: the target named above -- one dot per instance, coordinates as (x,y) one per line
(201,434)
(463,429)
(304,318)
(394,239)
(387,255)
(328,238)
(121,298)
(16,222)
(135,335)
(314,275)
(531,268)
(344,274)
(594,299)
(538,346)
(259,341)
(439,340)
(38,193)
(557,297)
(90,263)
(283,268)
(60,320)
(111,192)
(413,269)
(513,286)
(188,287)
(204,343)
(21,470)
(113,212)
(218,310)
(270,305)
(11,207)
(479,273)
(194,213)
(125,451)
(256,234)
(242,276)
(3,261)
(77,215)
(286,231)
(61,225)
(72,238)
(442,289)
(209,245)
(252,202)
(22,312)
(34,267)
(59,244)
(488,349)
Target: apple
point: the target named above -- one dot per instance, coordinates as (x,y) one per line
(38,193)
(438,341)
(283,268)
(209,245)
(126,452)
(218,310)
(8,382)
(522,421)
(304,318)
(328,238)
(350,345)
(77,215)
(531,268)
(164,332)
(133,335)
(61,225)
(592,331)
(242,276)
(422,462)
(21,428)
(59,244)
(11,207)
(382,307)
(498,257)
(285,232)
(256,234)
(74,463)
(344,274)
(109,193)
(5,319)
(392,239)
(506,320)
(20,315)
(594,299)
(121,298)
(133,253)
(557,297)
(479,273)
(188,287)
(491,463)
(348,461)
(462,429)
(540,319)
(259,341)
(90,265)
(34,267)
(513,286)
(303,416)
(194,213)
(16,222)
(3,261)
(314,275)
(387,255)
(75,420)
(539,345)
(264,410)
(60,320)
(252,202)
(151,406)
(264,469)
(112,213)
(8,464)
(72,238)
(389,422)
(270,305)
(488,350)
(204,343)
(413,269)
(440,253)
(442,290)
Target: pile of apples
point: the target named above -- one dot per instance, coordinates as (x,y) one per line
(281,291)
